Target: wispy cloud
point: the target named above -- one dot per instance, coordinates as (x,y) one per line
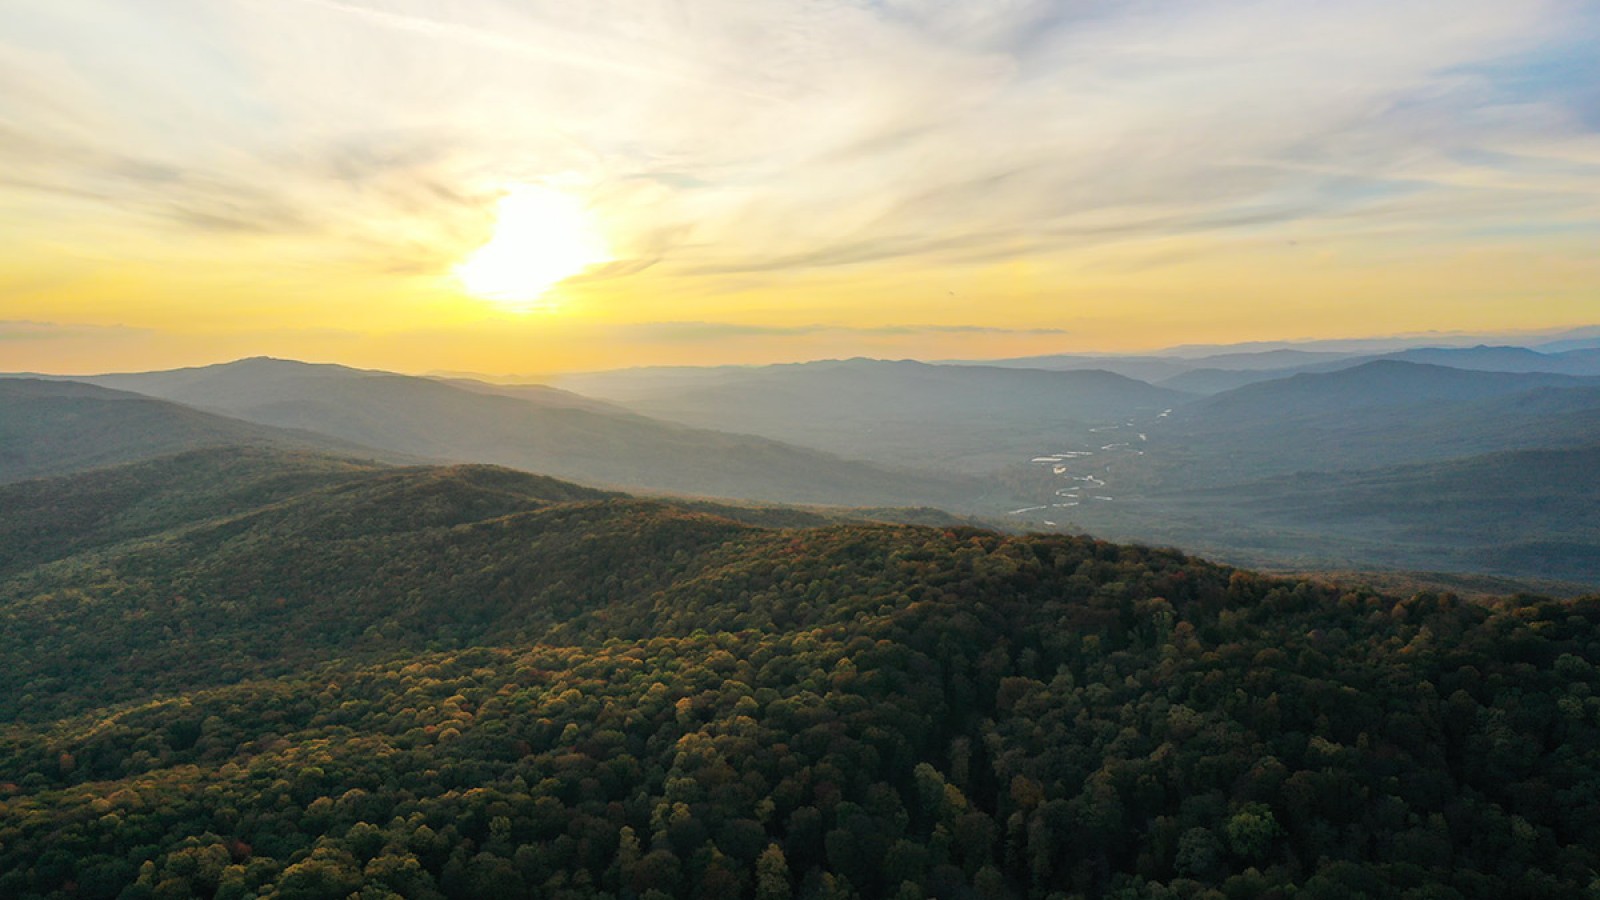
(723,137)
(674,332)
(20,331)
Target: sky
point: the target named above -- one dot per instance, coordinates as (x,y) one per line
(536,187)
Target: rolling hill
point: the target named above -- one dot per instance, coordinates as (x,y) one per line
(240,673)
(1528,514)
(1377,414)
(546,432)
(50,427)
(962,418)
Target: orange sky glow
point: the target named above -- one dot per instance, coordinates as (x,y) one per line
(534,188)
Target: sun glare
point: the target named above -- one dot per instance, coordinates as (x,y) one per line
(541,238)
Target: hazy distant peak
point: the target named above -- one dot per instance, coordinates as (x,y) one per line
(278,364)
(1417,370)
(1385,373)
(1379,382)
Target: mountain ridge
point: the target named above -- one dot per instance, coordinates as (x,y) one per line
(56,426)
(901,411)
(421,418)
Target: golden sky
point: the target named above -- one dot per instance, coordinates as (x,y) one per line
(393,184)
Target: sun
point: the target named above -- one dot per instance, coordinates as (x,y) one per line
(542,237)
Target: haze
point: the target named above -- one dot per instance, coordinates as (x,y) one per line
(191,182)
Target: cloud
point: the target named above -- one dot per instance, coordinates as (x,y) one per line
(23,331)
(722,137)
(541,44)
(673,332)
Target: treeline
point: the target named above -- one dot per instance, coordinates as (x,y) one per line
(712,710)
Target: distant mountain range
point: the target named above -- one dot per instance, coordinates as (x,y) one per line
(1158,369)
(1546,341)
(55,427)
(1269,458)
(544,431)
(1212,373)
(1216,379)
(941,417)
(1374,414)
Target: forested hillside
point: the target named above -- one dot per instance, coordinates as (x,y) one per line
(307,679)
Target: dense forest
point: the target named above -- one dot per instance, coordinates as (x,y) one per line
(236,674)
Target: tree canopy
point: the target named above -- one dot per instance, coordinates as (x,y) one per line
(464,683)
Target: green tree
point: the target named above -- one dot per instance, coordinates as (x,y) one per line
(1251,831)
(772,875)
(327,874)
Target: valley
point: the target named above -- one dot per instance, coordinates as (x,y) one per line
(1246,474)
(354,620)
(794,450)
